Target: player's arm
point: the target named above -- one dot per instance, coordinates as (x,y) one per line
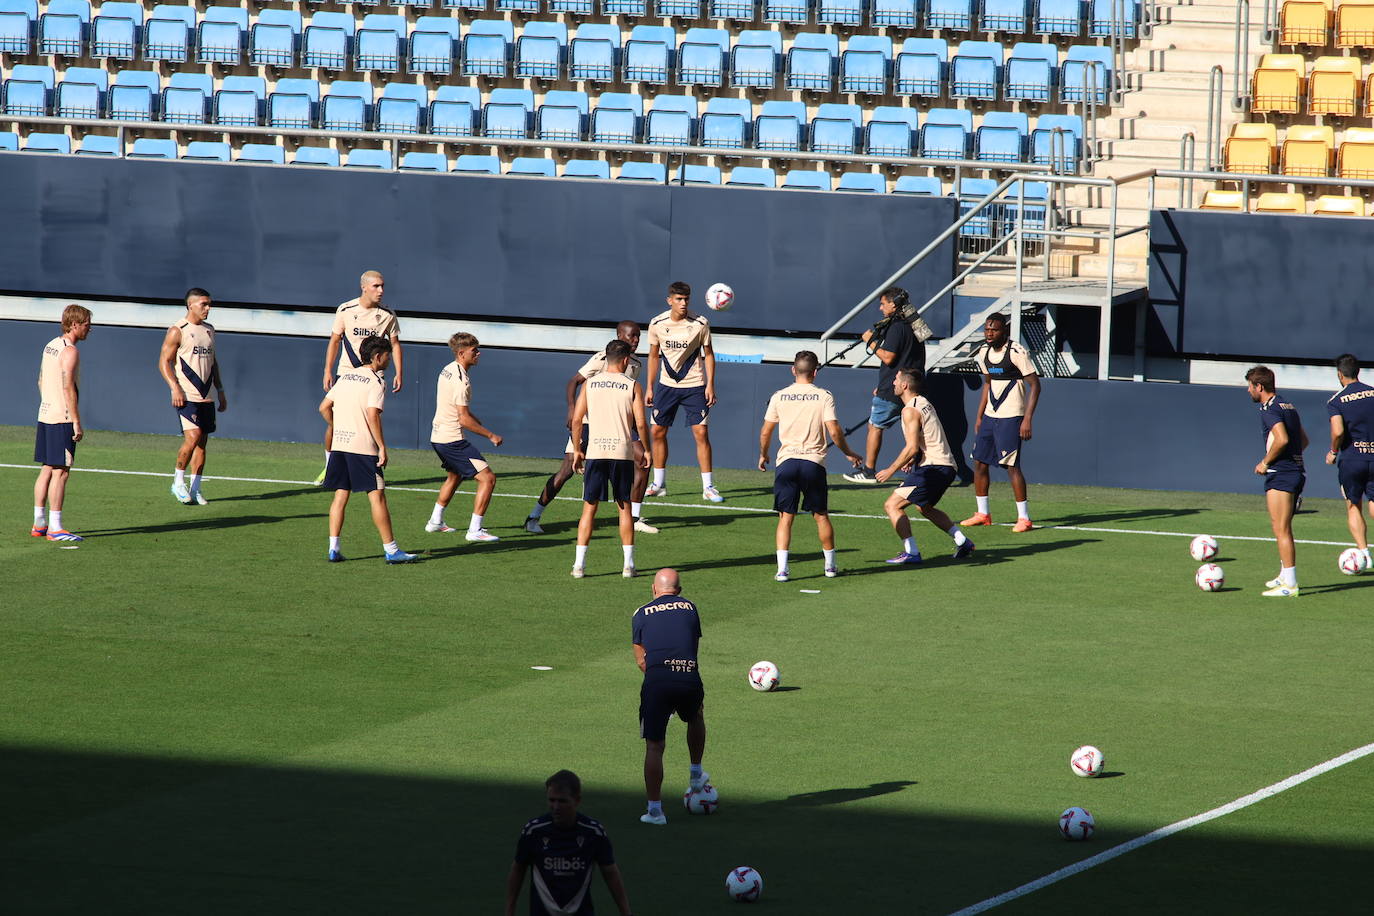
(331,357)
(641,449)
(219,387)
(652,374)
(1032,398)
(766,442)
(573,383)
(640,657)
(373,416)
(578,415)
(911,432)
(1337,437)
(514,881)
(709,362)
(170,343)
(67,363)
(396,362)
(982,402)
(468,421)
(616,885)
(837,436)
(1278,441)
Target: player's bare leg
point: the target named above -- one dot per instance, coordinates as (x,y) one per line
(49,491)
(658,446)
(1354,518)
(783,542)
(336,513)
(190,455)
(696,740)
(637,489)
(708,485)
(486,485)
(825,531)
(873,446)
(1018,492)
(584,538)
(447,490)
(627,538)
(552,486)
(653,769)
(963,547)
(982,483)
(1281,505)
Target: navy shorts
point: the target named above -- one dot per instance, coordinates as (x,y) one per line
(54,444)
(1287,481)
(461,458)
(197,415)
(1357,479)
(602,473)
(884,413)
(358,473)
(668,400)
(800,481)
(923,486)
(662,697)
(999,441)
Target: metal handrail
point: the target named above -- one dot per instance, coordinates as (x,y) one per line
(1240,97)
(1187,162)
(1118,47)
(1216,80)
(1089,155)
(1246,180)
(1270,32)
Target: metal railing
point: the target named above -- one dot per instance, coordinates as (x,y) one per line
(1187,162)
(1245,181)
(1240,95)
(1216,80)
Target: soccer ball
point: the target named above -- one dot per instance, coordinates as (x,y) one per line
(744,884)
(719,297)
(1203,547)
(1209,577)
(1351,561)
(1076,824)
(703,801)
(1087,761)
(764,676)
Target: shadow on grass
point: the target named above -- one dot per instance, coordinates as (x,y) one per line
(982,556)
(274,494)
(197,524)
(840,796)
(1124,515)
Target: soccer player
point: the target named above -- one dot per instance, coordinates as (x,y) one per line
(803,414)
(665,633)
(611,404)
(681,343)
(929,465)
(357,449)
(355,321)
(627,331)
(457,455)
(1282,470)
(561,847)
(1011,390)
(59,423)
(1352,446)
(896,348)
(189,367)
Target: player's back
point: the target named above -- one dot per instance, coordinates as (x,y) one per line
(610,406)
(801,411)
(352,394)
(936,443)
(52,400)
(669,629)
(1355,404)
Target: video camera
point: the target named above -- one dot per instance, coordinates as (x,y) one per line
(903,310)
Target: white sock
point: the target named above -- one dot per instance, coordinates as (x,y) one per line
(537,511)
(660,476)
(390,547)
(782,560)
(327,453)
(476,523)
(333,543)
(706,479)
(983,507)
(56,520)
(1023,510)
(181,477)
(829,558)
(636,509)
(40,516)
(960,539)
(436,517)
(629,551)
(909,545)
(195,484)
(581,559)
(1288,575)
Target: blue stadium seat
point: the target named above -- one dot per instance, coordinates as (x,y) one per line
(672,121)
(368,159)
(754,59)
(751,177)
(975,70)
(624,7)
(701,57)
(835,129)
(1002,137)
(187,98)
(81,94)
(29,90)
(517,6)
(477,165)
(1059,18)
(868,182)
(890,131)
(453,113)
(1087,66)
(1031,72)
(698,174)
(678,9)
(735,10)
(327,41)
(9,141)
(649,54)
(901,14)
(152,148)
(424,162)
(726,123)
(115,30)
(594,53)
(62,29)
(347,106)
(486,47)
(1004,16)
(970,191)
(538,166)
(807,180)
(1047,151)
(945,135)
(540,50)
(476,5)
(207,151)
(269,153)
(865,65)
(508,113)
(839,12)
(432,45)
(572,7)
(927,185)
(379,43)
(643,171)
(316,155)
(47,143)
(295,103)
(17,20)
(417,4)
(239,101)
(562,116)
(921,67)
(401,108)
(954,15)
(220,36)
(811,61)
(97,145)
(273,38)
(617,118)
(134,96)
(167,33)
(779,126)
(787,11)
(1102,25)
(587,168)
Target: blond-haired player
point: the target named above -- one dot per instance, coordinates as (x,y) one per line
(59,423)
(189,367)
(458,456)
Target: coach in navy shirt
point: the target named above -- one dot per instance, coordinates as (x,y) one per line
(1352,445)
(666,632)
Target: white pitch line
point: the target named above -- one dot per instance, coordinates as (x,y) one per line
(1244,801)
(309,483)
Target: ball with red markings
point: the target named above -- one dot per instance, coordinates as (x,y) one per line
(1352,561)
(719,297)
(1076,824)
(1087,761)
(744,884)
(1203,547)
(764,676)
(1209,577)
(701,801)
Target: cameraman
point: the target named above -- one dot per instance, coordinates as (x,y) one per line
(896,347)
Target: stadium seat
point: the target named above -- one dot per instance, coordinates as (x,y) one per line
(946,133)
(316,155)
(572,7)
(726,123)
(975,70)
(531,165)
(486,47)
(508,113)
(220,35)
(368,159)
(748,176)
(81,94)
(1086,67)
(1304,22)
(97,145)
(239,101)
(835,129)
(167,33)
(898,14)
(736,10)
(268,153)
(1060,18)
(134,96)
(152,148)
(698,174)
(1103,21)
(593,53)
(273,38)
(921,67)
(1002,137)
(587,168)
(867,182)
(1306,150)
(865,65)
(1333,86)
(1008,16)
(700,57)
(786,11)
(347,106)
(1062,153)
(9,141)
(649,54)
(617,118)
(294,104)
(47,143)
(1354,25)
(970,191)
(954,15)
(1277,84)
(562,116)
(424,162)
(540,50)
(925,185)
(1338,205)
(672,121)
(839,12)
(453,113)
(754,59)
(811,61)
(432,45)
(1280,202)
(62,29)
(17,20)
(624,7)
(401,108)
(517,6)
(480,6)
(379,43)
(207,150)
(1355,157)
(678,9)
(187,98)
(115,30)
(327,41)
(1031,72)
(1251,149)
(1217,199)
(643,171)
(807,180)
(779,126)
(890,131)
(477,165)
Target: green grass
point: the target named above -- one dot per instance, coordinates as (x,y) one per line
(201,715)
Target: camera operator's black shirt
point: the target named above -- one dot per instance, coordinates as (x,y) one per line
(911,354)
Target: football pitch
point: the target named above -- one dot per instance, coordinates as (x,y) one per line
(201,715)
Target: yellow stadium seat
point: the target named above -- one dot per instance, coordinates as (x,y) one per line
(1333,86)
(1355,158)
(1280,202)
(1224,200)
(1337,205)
(1307,150)
(1303,22)
(1251,149)
(1355,25)
(1277,85)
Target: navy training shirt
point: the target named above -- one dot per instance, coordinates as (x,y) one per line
(561,863)
(1273,412)
(1355,405)
(668,628)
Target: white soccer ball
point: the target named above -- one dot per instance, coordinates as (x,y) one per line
(744,884)
(1087,761)
(1209,577)
(1352,561)
(764,676)
(1203,547)
(719,297)
(1076,824)
(703,801)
